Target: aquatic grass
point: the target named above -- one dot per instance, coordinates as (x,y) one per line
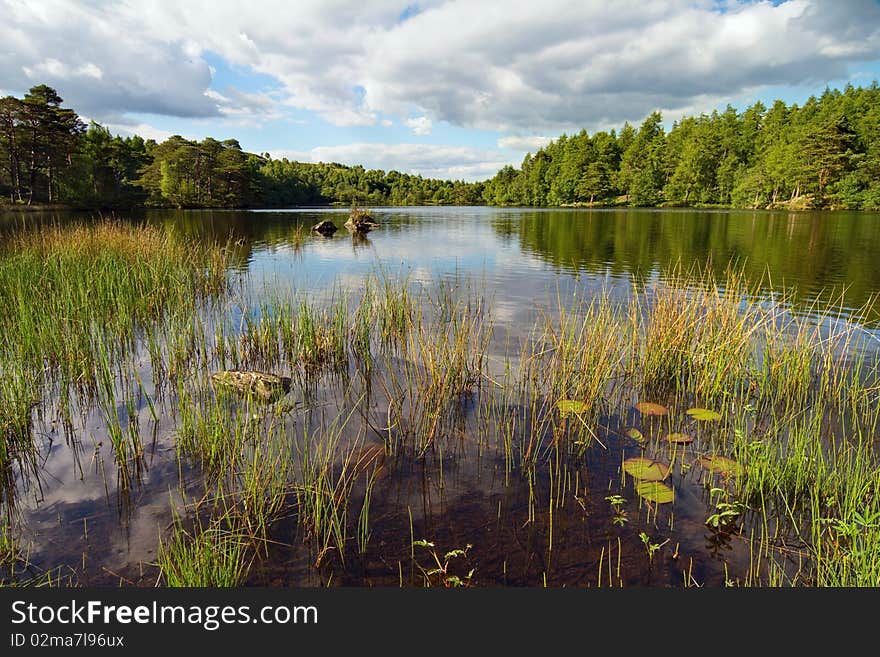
(323,483)
(109,277)
(262,483)
(662,336)
(212,556)
(214,425)
(445,361)
(395,307)
(796,393)
(578,359)
(18,397)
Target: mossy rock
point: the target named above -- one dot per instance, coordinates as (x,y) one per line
(360,221)
(266,386)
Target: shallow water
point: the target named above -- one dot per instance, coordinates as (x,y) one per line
(522,262)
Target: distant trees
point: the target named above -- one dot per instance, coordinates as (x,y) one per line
(48,155)
(823,154)
(190,174)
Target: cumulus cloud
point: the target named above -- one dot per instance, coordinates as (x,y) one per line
(101,64)
(428,160)
(420,125)
(519,143)
(514,67)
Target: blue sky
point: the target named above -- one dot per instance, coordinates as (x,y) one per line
(443,88)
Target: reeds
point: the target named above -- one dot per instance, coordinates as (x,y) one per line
(796,391)
(215,556)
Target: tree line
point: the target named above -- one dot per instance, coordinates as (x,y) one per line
(49,155)
(823,154)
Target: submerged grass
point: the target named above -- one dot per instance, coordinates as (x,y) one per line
(78,299)
(795,394)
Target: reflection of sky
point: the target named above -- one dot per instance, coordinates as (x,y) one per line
(437,247)
(424,247)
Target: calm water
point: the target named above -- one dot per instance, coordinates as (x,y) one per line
(521,260)
(521,253)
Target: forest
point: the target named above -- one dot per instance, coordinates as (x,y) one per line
(823,154)
(49,155)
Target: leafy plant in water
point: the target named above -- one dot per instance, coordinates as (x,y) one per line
(651,547)
(679,439)
(617,502)
(439,570)
(636,435)
(857,526)
(721,465)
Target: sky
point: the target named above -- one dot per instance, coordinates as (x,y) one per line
(452,89)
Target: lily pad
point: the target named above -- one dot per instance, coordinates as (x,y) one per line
(656,492)
(636,435)
(680,439)
(721,465)
(651,408)
(571,406)
(704,414)
(645,469)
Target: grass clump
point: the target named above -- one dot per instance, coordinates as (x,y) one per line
(215,556)
(66,284)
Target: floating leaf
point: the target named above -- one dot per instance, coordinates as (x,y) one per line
(704,414)
(571,406)
(679,439)
(651,408)
(635,434)
(721,465)
(654,491)
(645,469)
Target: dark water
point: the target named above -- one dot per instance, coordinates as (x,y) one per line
(522,260)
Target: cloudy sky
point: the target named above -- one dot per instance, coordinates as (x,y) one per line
(446,88)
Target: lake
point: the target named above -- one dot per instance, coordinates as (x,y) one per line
(518,488)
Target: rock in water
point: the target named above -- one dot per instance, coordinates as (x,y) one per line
(262,384)
(325,228)
(360,221)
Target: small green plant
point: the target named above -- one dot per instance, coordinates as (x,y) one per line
(651,547)
(617,502)
(856,527)
(9,552)
(439,571)
(726,512)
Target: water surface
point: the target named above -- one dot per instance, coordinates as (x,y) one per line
(523,261)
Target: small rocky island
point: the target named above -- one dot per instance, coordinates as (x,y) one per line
(360,220)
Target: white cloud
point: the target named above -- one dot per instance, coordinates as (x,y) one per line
(100,61)
(420,125)
(428,160)
(515,67)
(144,130)
(90,70)
(518,143)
